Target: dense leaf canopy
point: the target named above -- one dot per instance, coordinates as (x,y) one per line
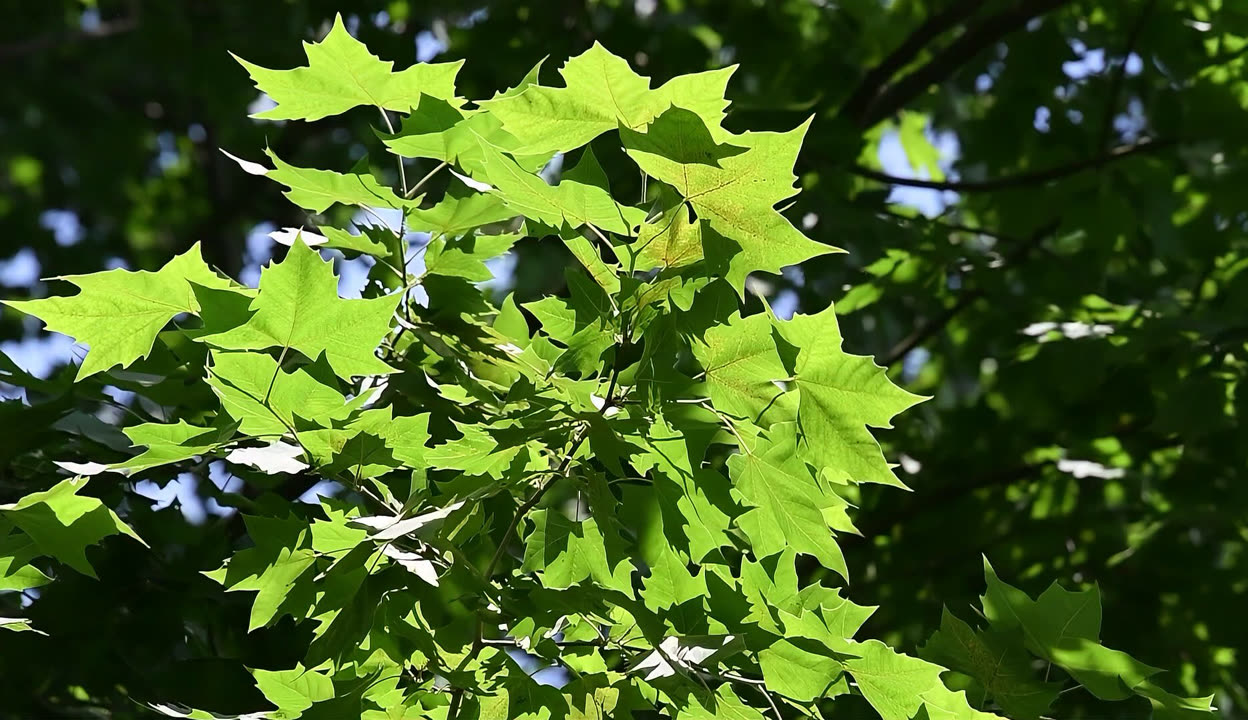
(607,401)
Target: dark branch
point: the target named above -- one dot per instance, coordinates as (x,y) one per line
(1020,180)
(926,330)
(893,98)
(876,79)
(47,42)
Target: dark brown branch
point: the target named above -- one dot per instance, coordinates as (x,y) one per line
(1022,179)
(893,98)
(51,40)
(876,79)
(926,330)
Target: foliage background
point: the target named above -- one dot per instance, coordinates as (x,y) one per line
(1028,118)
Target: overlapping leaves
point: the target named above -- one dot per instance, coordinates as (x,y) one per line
(618,481)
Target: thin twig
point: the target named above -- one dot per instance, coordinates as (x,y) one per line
(892,98)
(876,79)
(1026,179)
(927,329)
(412,191)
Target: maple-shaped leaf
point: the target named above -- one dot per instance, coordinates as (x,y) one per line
(602,93)
(465,257)
(996,661)
(838,396)
(671,241)
(743,366)
(475,452)
(893,683)
(787,501)
(318,190)
(798,670)
(736,194)
(440,131)
(281,553)
(458,213)
(342,74)
(295,690)
(119,313)
(565,551)
(571,202)
(61,523)
(172,442)
(1064,628)
(369,445)
(298,307)
(266,401)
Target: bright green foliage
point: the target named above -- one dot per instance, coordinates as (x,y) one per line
(318,190)
(298,308)
(735,194)
(119,312)
(58,523)
(342,74)
(602,93)
(626,476)
(1061,628)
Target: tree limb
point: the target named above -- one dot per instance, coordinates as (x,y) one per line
(876,79)
(1035,177)
(927,329)
(894,97)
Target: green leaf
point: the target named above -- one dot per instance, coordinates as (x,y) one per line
(298,307)
(893,683)
(737,197)
(998,663)
(786,499)
(171,443)
(1064,628)
(475,452)
(294,690)
(797,672)
(602,92)
(280,557)
(742,366)
(570,202)
(458,213)
(466,256)
(438,130)
(267,401)
(119,312)
(565,552)
(672,241)
(838,396)
(16,550)
(342,74)
(318,190)
(61,523)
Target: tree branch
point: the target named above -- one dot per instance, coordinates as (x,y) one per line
(892,98)
(876,79)
(926,330)
(52,40)
(1035,177)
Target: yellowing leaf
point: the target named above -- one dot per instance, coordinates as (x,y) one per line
(736,196)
